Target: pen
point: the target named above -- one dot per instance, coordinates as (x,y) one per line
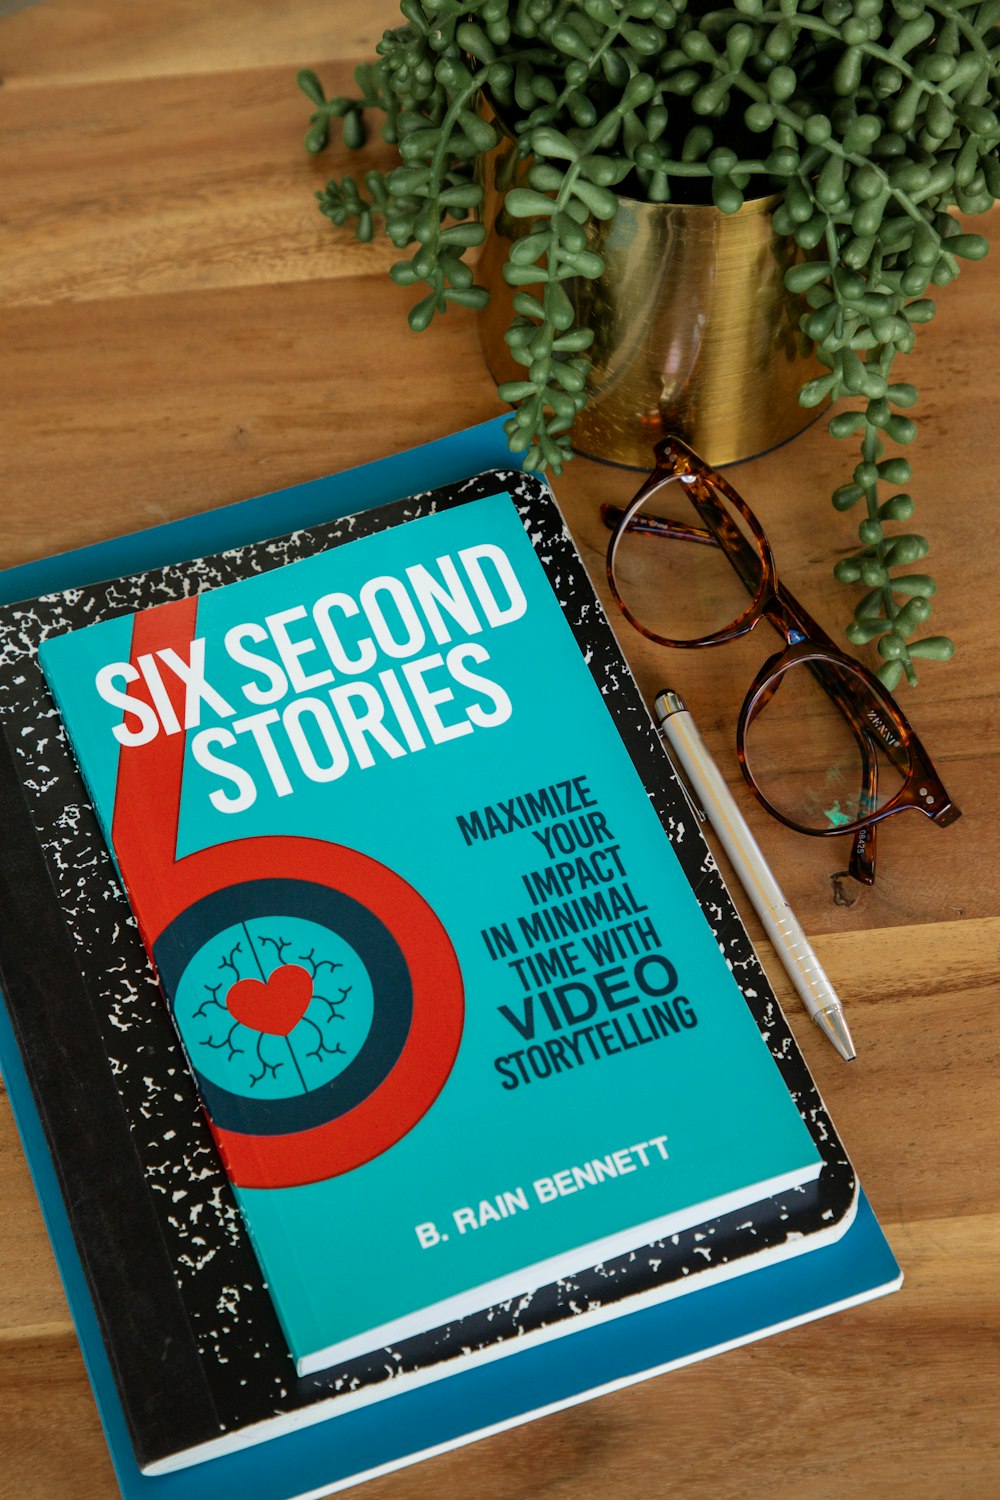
(706,781)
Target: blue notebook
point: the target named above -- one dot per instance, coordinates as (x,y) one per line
(461,1406)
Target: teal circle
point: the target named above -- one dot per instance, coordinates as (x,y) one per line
(260,1065)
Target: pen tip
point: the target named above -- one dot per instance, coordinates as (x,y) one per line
(833,1026)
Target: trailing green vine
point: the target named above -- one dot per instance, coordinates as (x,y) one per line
(876,117)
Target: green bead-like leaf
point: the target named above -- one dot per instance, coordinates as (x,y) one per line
(528,306)
(898,508)
(895,471)
(641,86)
(696,45)
(858,252)
(798,202)
(933,648)
(527,250)
(466,235)
(819,325)
(403,274)
(545,178)
(914,613)
(847,495)
(475,297)
(914,583)
(550,142)
(846,424)
(464,195)
(901,429)
(726,195)
(515,275)
(317,134)
(800,278)
(421,314)
(904,550)
(515,390)
(525,203)
(606,171)
(860,632)
(574,342)
(781,83)
(758,117)
(889,674)
(354,130)
(585,263)
(969,246)
(600,201)
(310,85)
(847,73)
(559,308)
(816,391)
(892,647)
(915,281)
(473,39)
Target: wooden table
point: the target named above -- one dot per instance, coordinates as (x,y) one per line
(182,329)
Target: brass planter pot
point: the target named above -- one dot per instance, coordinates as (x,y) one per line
(695,332)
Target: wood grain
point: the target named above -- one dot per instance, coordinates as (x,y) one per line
(182,329)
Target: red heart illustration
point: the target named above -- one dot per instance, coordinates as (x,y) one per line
(276,1007)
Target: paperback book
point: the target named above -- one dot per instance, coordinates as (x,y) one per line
(454,1012)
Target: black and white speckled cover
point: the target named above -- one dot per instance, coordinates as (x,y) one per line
(189,1325)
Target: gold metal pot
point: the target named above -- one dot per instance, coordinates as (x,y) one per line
(695,333)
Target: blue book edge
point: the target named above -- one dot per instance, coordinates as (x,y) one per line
(337,1451)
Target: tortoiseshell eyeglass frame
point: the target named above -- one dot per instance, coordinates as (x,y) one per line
(876,721)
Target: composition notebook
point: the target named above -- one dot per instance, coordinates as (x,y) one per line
(453,1009)
(198,1360)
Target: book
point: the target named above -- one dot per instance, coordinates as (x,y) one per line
(433,1042)
(185,1288)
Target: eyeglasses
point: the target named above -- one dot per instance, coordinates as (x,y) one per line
(822,745)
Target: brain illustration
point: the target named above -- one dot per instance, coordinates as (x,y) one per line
(274,1007)
(320,1009)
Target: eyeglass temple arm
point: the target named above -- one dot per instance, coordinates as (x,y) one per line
(611,516)
(863,847)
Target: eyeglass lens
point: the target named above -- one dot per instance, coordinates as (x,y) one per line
(814,768)
(672,578)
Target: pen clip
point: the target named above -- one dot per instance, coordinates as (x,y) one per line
(682,780)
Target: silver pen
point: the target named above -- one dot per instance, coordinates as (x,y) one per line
(706,781)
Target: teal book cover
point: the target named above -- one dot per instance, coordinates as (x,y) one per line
(458,1021)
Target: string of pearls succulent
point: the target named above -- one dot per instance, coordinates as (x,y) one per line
(876,117)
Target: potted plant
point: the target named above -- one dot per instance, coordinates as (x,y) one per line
(874,118)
